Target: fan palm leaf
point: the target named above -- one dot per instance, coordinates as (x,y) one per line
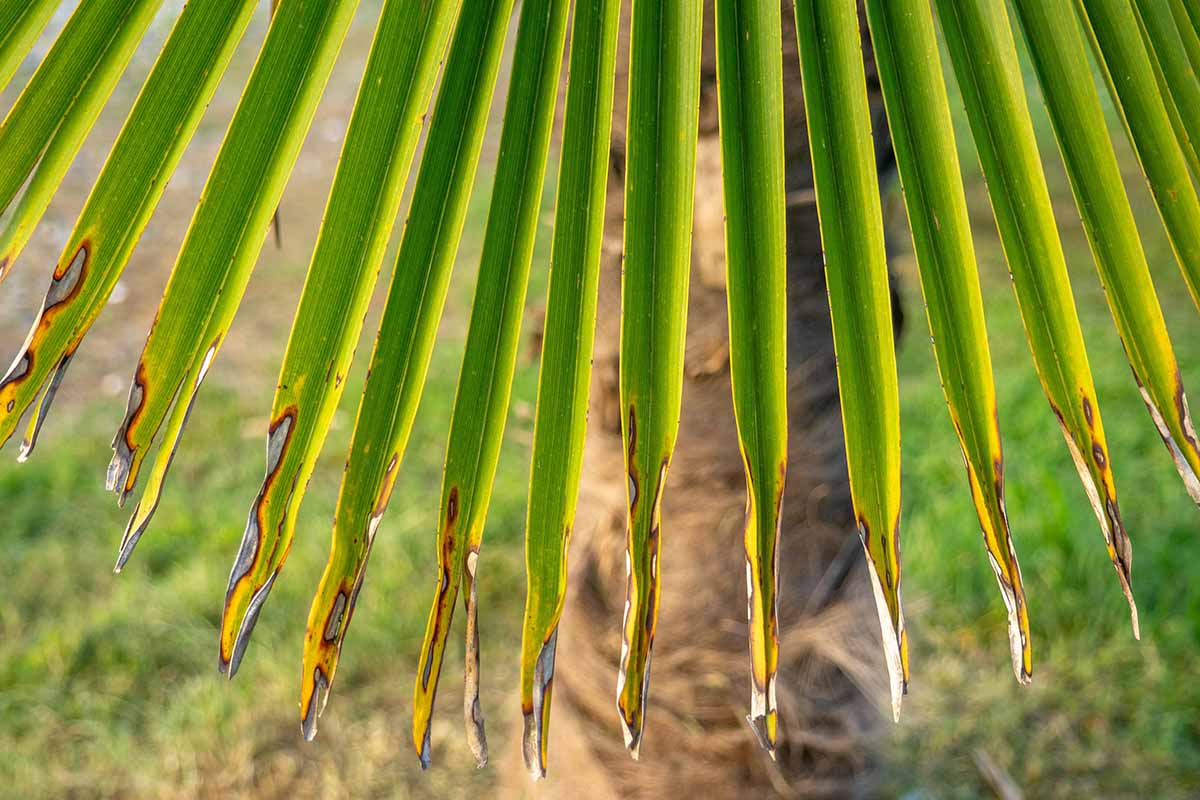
(448,54)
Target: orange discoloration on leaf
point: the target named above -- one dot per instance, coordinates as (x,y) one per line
(263,549)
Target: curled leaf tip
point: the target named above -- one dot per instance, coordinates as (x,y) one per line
(315,705)
(472,712)
(245,628)
(1122,567)
(118,468)
(633,737)
(1190,479)
(423,749)
(635,660)
(133,534)
(537,715)
(1012,591)
(895,639)
(1103,496)
(43,408)
(764,727)
(239,615)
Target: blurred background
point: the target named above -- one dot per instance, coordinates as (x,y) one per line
(109,686)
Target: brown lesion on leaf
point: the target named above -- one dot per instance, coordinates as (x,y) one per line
(65,285)
(1062,421)
(333,619)
(632,446)
(631,467)
(385,489)
(774,587)
(251,553)
(66,282)
(998,483)
(896,549)
(452,507)
(442,606)
(1181,408)
(16,375)
(276,452)
(123,470)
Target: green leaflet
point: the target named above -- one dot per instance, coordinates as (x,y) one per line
(1115,24)
(985,61)
(485,382)
(847,189)
(560,422)
(750,102)
(57,109)
(1061,62)
(406,335)
(1187,34)
(149,147)
(914,93)
(223,241)
(1165,46)
(367,189)
(1193,13)
(660,167)
(20,24)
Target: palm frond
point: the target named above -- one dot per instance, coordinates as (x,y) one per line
(222,244)
(560,420)
(404,344)
(750,99)
(121,203)
(984,54)
(363,203)
(860,303)
(45,128)
(914,93)
(1116,25)
(1148,52)
(485,381)
(1057,48)
(663,123)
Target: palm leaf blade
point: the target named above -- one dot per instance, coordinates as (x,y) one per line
(363,202)
(750,99)
(560,421)
(844,175)
(1059,56)
(405,340)
(664,102)
(907,56)
(985,61)
(1116,24)
(53,115)
(222,243)
(122,201)
(485,381)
